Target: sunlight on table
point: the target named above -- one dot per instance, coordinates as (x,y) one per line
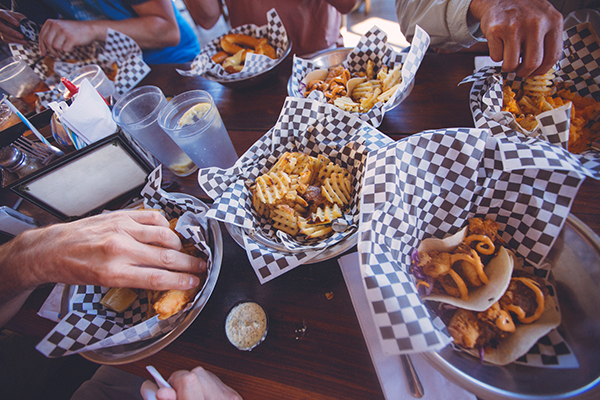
(395,38)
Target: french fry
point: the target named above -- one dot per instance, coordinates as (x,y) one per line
(284,218)
(302,190)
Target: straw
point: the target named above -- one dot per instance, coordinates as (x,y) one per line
(25,120)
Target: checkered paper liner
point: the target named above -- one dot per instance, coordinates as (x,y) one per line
(118,48)
(578,69)
(91,326)
(429,185)
(371,46)
(305,126)
(254,64)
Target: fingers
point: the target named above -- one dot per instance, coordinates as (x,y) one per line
(200,384)
(525,35)
(10,29)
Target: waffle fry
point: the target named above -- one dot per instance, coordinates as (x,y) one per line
(313,195)
(540,94)
(358,92)
(285,219)
(272,186)
(337,189)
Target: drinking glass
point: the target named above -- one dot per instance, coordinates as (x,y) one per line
(137,114)
(97,78)
(194,123)
(19,80)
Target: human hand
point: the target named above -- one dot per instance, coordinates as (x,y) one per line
(10,31)
(197,384)
(515,29)
(59,36)
(134,248)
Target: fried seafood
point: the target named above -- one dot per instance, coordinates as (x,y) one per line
(540,94)
(507,329)
(302,194)
(235,48)
(455,271)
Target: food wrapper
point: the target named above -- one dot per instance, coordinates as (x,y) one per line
(90,326)
(578,68)
(429,185)
(305,126)
(118,50)
(372,45)
(274,30)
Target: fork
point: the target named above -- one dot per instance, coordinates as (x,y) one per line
(414,383)
(42,151)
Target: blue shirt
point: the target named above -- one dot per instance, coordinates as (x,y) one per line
(85,10)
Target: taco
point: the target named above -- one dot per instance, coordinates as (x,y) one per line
(510,327)
(469,270)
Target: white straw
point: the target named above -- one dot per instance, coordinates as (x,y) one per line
(25,120)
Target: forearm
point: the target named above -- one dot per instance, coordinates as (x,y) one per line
(445,22)
(149,32)
(343,6)
(17,279)
(205,13)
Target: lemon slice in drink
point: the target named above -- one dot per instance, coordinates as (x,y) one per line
(194,114)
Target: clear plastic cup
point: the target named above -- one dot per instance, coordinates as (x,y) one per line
(202,136)
(137,114)
(97,78)
(19,80)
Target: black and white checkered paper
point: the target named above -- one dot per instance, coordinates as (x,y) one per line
(371,46)
(118,48)
(429,185)
(305,126)
(578,69)
(91,326)
(254,64)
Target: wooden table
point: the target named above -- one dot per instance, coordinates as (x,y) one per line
(314,348)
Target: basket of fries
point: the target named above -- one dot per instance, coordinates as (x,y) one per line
(293,198)
(367,80)
(245,56)
(559,108)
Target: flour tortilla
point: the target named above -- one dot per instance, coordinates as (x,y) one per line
(498,270)
(523,338)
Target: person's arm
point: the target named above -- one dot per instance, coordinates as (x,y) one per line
(134,249)
(205,13)
(343,6)
(197,384)
(9,27)
(444,20)
(526,35)
(155,27)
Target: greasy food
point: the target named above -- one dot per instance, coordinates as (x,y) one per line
(164,303)
(469,270)
(358,92)
(302,194)
(235,47)
(539,94)
(167,303)
(507,330)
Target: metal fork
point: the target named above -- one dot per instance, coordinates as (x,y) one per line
(42,151)
(414,383)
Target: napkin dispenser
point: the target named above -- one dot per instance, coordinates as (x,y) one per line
(88,180)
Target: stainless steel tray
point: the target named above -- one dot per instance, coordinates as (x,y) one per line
(576,268)
(125,354)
